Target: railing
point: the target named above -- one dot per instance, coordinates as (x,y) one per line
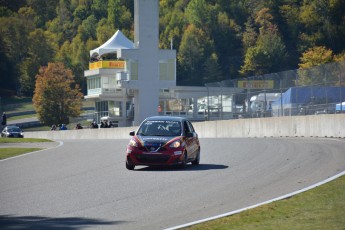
(110,91)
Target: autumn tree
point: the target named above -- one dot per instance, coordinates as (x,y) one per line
(269,52)
(57,97)
(314,69)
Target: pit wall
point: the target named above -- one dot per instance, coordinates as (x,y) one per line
(327,125)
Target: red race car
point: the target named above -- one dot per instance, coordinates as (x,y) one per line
(163,140)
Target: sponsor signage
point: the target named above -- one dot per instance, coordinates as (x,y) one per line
(256,84)
(107,64)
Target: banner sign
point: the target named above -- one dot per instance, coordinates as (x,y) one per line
(256,84)
(107,64)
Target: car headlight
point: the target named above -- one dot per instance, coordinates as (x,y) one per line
(133,143)
(175,144)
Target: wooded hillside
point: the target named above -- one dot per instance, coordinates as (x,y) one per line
(215,39)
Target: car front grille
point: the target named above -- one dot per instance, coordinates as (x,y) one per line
(152,158)
(152,147)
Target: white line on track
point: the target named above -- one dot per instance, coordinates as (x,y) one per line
(259,204)
(60,144)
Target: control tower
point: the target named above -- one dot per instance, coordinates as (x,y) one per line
(154,69)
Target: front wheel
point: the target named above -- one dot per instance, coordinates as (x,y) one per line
(197,159)
(184,162)
(129,166)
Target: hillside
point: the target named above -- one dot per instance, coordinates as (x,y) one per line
(215,40)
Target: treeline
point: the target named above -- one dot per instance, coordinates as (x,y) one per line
(215,39)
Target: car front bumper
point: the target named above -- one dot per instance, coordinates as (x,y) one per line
(153,158)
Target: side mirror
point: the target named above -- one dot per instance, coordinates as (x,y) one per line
(189,134)
(132,133)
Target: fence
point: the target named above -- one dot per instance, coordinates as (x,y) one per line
(317,90)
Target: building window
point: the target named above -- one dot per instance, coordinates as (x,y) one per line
(133,70)
(167,70)
(94,83)
(117,108)
(109,108)
(102,109)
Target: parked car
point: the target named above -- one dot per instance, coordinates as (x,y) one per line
(12,131)
(163,140)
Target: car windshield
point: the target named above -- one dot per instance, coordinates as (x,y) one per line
(14,129)
(160,128)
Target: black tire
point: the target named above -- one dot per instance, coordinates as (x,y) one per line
(197,159)
(184,162)
(129,166)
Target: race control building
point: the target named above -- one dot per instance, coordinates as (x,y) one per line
(129,81)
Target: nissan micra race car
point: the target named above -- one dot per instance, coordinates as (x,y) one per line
(163,140)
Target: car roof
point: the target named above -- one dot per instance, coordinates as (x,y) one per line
(165,118)
(11,126)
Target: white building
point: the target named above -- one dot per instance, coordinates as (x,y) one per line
(129,81)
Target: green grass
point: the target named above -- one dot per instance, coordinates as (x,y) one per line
(37,128)
(17,104)
(18,107)
(23,140)
(12,152)
(318,209)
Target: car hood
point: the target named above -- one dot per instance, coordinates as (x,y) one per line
(155,139)
(153,143)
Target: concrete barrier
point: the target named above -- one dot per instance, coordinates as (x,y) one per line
(325,125)
(104,133)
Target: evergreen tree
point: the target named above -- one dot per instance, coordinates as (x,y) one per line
(269,53)
(39,54)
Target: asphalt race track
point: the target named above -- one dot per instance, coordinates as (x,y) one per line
(84,184)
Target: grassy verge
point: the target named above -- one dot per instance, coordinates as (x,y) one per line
(11,118)
(319,208)
(38,128)
(23,140)
(12,152)
(16,104)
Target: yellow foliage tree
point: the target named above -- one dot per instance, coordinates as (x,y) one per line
(316,67)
